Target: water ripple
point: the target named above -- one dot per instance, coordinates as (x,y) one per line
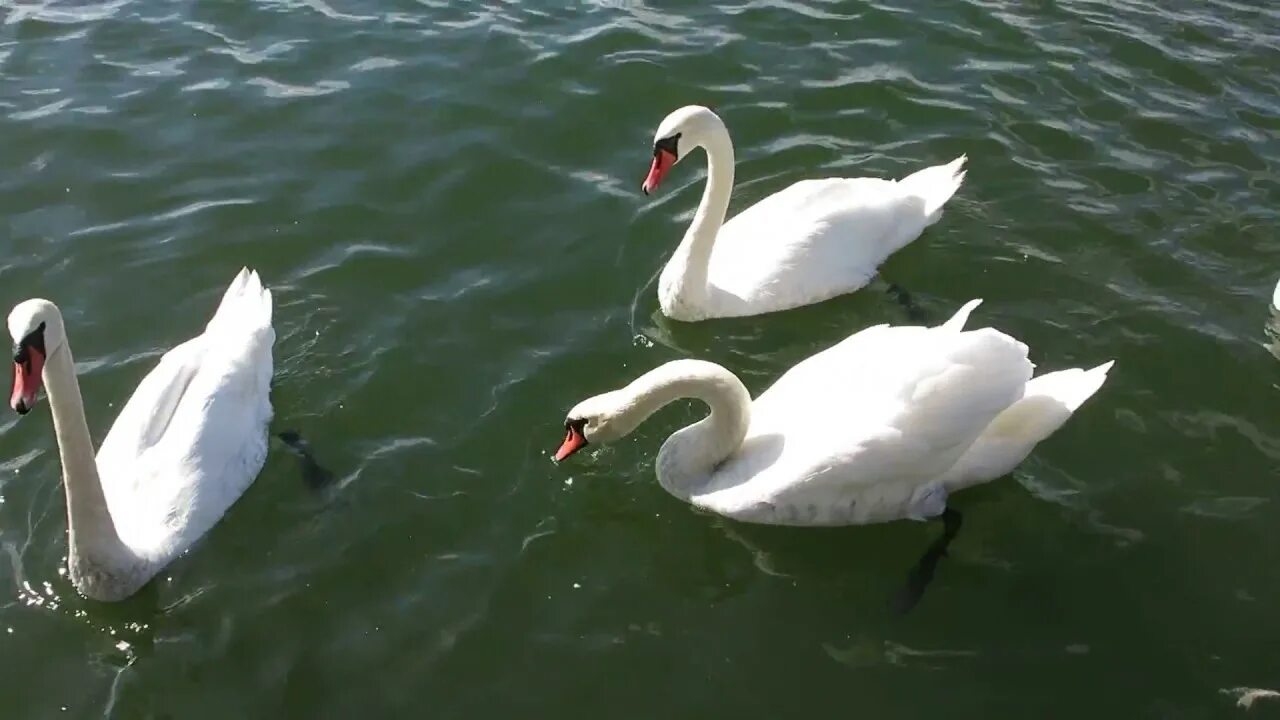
(445,200)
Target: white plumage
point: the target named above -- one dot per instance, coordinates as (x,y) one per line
(882,426)
(807,243)
(183,449)
(192,438)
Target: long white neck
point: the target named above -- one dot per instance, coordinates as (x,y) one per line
(684,279)
(689,457)
(98,560)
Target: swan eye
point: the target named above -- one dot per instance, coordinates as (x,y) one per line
(34,339)
(668,145)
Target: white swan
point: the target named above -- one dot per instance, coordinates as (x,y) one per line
(187,444)
(882,426)
(809,242)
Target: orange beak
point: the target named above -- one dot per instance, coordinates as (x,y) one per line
(573,442)
(27,376)
(662,162)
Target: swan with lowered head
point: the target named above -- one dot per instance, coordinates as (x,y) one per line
(804,244)
(186,445)
(881,426)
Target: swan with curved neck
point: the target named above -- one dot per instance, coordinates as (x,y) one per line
(807,243)
(184,447)
(690,455)
(882,426)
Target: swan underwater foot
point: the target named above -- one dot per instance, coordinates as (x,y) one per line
(922,573)
(903,297)
(316,476)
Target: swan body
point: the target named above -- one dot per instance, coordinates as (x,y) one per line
(881,426)
(807,243)
(183,449)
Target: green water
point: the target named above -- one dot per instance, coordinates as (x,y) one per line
(445,200)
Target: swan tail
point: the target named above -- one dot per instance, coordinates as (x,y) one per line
(1071,387)
(1275,297)
(246,305)
(957,321)
(1048,402)
(935,186)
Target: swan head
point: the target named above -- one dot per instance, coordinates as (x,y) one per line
(600,419)
(36,328)
(690,127)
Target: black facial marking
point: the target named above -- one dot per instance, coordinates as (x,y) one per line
(668,144)
(576,424)
(34,339)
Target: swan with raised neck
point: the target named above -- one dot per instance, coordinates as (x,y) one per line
(183,448)
(806,243)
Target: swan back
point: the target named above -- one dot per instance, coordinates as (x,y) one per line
(853,433)
(193,436)
(820,238)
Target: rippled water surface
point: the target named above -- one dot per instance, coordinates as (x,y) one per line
(445,199)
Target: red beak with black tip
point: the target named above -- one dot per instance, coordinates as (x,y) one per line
(662,162)
(574,441)
(27,376)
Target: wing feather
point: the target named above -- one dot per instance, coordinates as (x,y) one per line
(873,419)
(192,437)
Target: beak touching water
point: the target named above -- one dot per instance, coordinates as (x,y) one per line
(662,162)
(27,376)
(574,441)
